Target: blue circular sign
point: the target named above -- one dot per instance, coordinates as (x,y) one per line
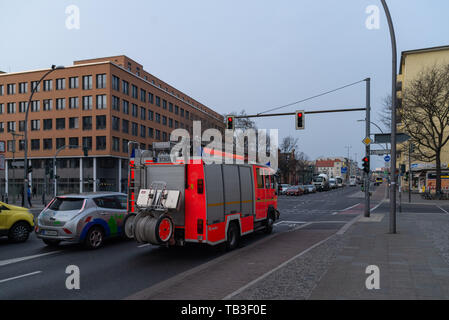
(387,158)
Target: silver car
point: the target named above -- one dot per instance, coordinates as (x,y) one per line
(87,218)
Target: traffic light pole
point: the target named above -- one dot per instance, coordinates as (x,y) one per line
(367,148)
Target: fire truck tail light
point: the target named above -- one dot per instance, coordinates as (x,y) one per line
(200,226)
(200,186)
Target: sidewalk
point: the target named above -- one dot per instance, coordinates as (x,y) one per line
(414,263)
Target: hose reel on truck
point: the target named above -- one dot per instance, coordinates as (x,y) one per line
(153,223)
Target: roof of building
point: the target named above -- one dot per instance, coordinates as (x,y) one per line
(423,50)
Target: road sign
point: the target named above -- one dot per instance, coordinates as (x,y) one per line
(367,141)
(387,158)
(344,169)
(386,137)
(380,152)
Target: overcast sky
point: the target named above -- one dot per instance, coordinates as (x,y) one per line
(234,55)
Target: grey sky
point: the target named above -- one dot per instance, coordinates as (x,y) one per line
(234,55)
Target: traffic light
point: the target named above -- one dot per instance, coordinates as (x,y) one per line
(230,125)
(86,151)
(299,120)
(365,161)
(402,169)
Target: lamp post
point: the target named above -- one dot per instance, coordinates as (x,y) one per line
(393,120)
(25,165)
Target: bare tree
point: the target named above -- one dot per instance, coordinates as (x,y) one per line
(287,159)
(425,115)
(385,113)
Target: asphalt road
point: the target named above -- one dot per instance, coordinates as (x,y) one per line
(31,270)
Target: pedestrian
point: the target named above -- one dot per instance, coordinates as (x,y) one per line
(29,195)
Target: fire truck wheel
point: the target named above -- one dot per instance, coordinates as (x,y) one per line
(270,222)
(233,236)
(164,229)
(128,226)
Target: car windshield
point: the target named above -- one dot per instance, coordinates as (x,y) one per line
(66,204)
(318,179)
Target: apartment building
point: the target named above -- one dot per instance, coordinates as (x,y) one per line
(98,103)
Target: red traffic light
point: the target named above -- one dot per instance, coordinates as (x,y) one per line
(230,123)
(300,120)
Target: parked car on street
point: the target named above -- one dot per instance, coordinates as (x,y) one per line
(88,218)
(310,188)
(294,191)
(284,188)
(15,222)
(378,181)
(332,183)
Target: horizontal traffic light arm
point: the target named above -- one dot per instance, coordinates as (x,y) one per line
(294,113)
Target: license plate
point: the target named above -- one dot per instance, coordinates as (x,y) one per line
(49,233)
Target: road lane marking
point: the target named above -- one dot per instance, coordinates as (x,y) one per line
(16,260)
(294,222)
(441,209)
(144,245)
(21,276)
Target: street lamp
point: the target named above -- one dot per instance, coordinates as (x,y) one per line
(25,165)
(393,119)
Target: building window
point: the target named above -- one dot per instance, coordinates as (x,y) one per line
(143,131)
(125,107)
(73,123)
(164,120)
(101,143)
(73,83)
(87,82)
(60,123)
(87,123)
(73,141)
(22,125)
(101,81)
(143,95)
(22,106)
(134,110)
(158,134)
(143,113)
(164,104)
(115,103)
(170,122)
(150,98)
(101,122)
(125,145)
(134,129)
(116,144)
(2,108)
(35,86)
(125,87)
(182,112)
(115,123)
(125,126)
(87,103)
(101,101)
(11,126)
(164,136)
(87,143)
(2,127)
(134,92)
(115,83)
(158,101)
(176,124)
(170,107)
(11,89)
(48,124)
(2,90)
(35,144)
(60,142)
(150,115)
(74,103)
(176,110)
(158,118)
(35,125)
(60,84)
(48,104)
(11,106)
(48,144)
(187,114)
(150,132)
(48,85)
(23,87)
(60,103)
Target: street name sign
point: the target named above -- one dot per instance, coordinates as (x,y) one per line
(380,152)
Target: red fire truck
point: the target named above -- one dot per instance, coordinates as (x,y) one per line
(174,203)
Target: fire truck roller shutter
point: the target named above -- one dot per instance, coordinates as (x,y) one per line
(173,176)
(247,191)
(214,193)
(231,189)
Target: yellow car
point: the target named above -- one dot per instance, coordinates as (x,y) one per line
(15,222)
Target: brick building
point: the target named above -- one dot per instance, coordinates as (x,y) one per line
(99,103)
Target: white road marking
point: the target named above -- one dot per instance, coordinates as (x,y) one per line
(350,207)
(441,209)
(295,222)
(21,276)
(144,245)
(16,260)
